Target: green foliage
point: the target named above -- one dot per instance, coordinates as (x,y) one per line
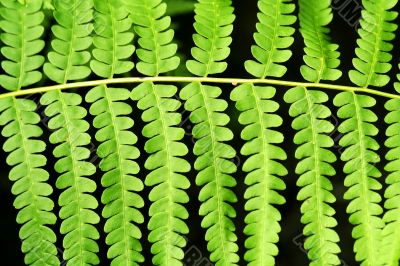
(118,153)
(273,38)
(373,52)
(262,222)
(113,39)
(97,38)
(213,25)
(321,55)
(67,61)
(215,169)
(117,149)
(390,248)
(21,26)
(30,180)
(371,67)
(314,169)
(157,53)
(165,148)
(310,121)
(76,202)
(212,46)
(21,32)
(361,180)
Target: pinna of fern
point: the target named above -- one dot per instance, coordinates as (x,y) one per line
(96,38)
(390,247)
(258,114)
(310,121)
(112,119)
(164,145)
(371,67)
(67,61)
(212,40)
(21,33)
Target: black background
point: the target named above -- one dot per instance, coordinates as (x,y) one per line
(344,32)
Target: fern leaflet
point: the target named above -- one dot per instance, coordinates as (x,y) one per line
(21,26)
(117,150)
(273,38)
(67,62)
(157,55)
(310,120)
(371,66)
(390,247)
(213,25)
(373,52)
(360,157)
(262,222)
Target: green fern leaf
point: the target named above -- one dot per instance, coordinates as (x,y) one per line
(213,26)
(215,169)
(113,39)
(390,248)
(321,56)
(167,214)
(213,29)
(21,32)
(371,66)
(77,204)
(360,157)
(67,61)
(157,55)
(262,223)
(373,52)
(30,188)
(314,168)
(310,121)
(273,38)
(117,150)
(118,155)
(21,26)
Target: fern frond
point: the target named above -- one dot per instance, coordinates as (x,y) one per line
(67,61)
(321,55)
(118,153)
(273,38)
(215,169)
(77,204)
(372,65)
(117,150)
(167,214)
(309,112)
(263,179)
(21,32)
(310,121)
(390,247)
(21,26)
(213,25)
(113,39)
(157,54)
(30,180)
(361,180)
(373,53)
